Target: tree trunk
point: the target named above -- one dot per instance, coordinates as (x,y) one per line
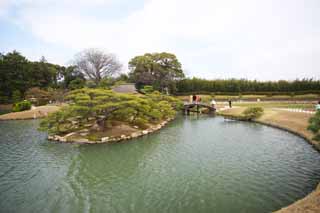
(99,125)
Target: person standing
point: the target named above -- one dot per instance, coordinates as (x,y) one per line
(230,103)
(318,106)
(198,98)
(213,103)
(194,98)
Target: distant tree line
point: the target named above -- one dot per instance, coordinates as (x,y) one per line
(21,78)
(243,86)
(18,74)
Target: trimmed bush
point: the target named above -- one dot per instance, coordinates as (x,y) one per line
(147,89)
(21,106)
(253,112)
(314,126)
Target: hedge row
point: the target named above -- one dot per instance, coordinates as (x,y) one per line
(251,93)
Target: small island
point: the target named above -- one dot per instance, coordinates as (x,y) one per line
(100,116)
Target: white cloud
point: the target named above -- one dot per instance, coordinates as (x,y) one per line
(212,38)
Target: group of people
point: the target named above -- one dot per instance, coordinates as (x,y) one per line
(196,99)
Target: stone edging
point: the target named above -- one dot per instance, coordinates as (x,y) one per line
(110,139)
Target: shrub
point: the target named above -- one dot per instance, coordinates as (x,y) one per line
(77,83)
(175,103)
(314,125)
(147,89)
(141,123)
(106,83)
(253,112)
(37,96)
(21,106)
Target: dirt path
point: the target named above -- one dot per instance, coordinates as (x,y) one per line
(38,112)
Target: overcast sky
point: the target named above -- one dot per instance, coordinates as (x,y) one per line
(254,39)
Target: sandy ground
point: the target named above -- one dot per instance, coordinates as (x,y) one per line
(38,112)
(296,122)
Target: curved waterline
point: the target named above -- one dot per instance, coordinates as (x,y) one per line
(194,164)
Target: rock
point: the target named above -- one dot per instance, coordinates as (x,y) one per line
(145,132)
(50,137)
(74,127)
(68,135)
(88,125)
(91,118)
(123,137)
(136,127)
(135,134)
(84,133)
(95,127)
(59,138)
(74,122)
(81,140)
(105,139)
(84,130)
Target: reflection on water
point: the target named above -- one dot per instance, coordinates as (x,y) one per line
(193,165)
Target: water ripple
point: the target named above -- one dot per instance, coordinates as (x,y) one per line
(192,165)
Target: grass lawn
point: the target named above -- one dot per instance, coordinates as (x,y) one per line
(299,105)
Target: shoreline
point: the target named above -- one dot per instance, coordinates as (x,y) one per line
(110,139)
(311,202)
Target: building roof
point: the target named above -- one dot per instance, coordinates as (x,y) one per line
(125,88)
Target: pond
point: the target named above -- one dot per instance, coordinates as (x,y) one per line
(194,164)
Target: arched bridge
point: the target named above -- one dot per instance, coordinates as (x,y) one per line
(195,107)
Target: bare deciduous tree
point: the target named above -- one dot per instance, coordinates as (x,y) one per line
(95,64)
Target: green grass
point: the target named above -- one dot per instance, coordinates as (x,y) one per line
(276,105)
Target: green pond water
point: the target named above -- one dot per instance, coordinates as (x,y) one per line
(194,164)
